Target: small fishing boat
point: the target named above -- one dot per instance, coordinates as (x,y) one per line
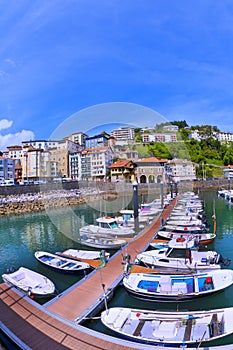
(175,288)
(127,218)
(92,257)
(30,282)
(180,255)
(81,254)
(192,229)
(188,223)
(169,328)
(199,238)
(61,264)
(101,242)
(107,225)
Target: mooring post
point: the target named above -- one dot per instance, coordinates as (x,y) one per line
(135,205)
(162,194)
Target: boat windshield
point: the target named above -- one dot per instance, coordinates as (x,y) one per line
(113,224)
(177,253)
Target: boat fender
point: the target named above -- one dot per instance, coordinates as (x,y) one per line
(180,239)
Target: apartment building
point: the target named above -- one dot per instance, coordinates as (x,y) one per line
(123,135)
(75,167)
(95,163)
(180,170)
(35,163)
(159,137)
(78,137)
(15,152)
(7,169)
(41,144)
(100,140)
(59,157)
(224,136)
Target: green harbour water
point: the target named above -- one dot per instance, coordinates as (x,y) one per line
(22,235)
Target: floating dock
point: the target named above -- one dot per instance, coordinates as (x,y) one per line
(58,324)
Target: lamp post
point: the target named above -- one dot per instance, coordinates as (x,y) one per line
(161,194)
(171,186)
(135,205)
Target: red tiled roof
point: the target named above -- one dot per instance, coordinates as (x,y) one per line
(121,163)
(151,159)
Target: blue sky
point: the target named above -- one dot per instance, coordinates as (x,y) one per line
(60,58)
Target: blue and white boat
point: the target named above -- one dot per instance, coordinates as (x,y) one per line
(175,288)
(61,264)
(166,328)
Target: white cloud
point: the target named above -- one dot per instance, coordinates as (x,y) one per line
(15,139)
(5,124)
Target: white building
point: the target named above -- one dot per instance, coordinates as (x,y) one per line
(181,170)
(7,168)
(15,152)
(171,127)
(95,163)
(159,137)
(42,144)
(224,136)
(124,134)
(78,137)
(195,134)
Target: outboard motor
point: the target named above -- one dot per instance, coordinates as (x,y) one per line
(11,269)
(224,262)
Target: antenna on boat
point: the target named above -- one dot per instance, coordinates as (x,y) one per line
(214,218)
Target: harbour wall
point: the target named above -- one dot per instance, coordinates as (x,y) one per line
(33,198)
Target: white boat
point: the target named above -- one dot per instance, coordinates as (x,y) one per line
(93,258)
(61,264)
(30,282)
(177,288)
(192,229)
(107,226)
(169,328)
(199,238)
(127,218)
(187,223)
(81,254)
(148,210)
(180,255)
(100,242)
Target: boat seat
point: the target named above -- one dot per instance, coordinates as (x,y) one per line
(188,329)
(165,330)
(165,284)
(121,319)
(19,277)
(179,288)
(55,262)
(138,330)
(214,325)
